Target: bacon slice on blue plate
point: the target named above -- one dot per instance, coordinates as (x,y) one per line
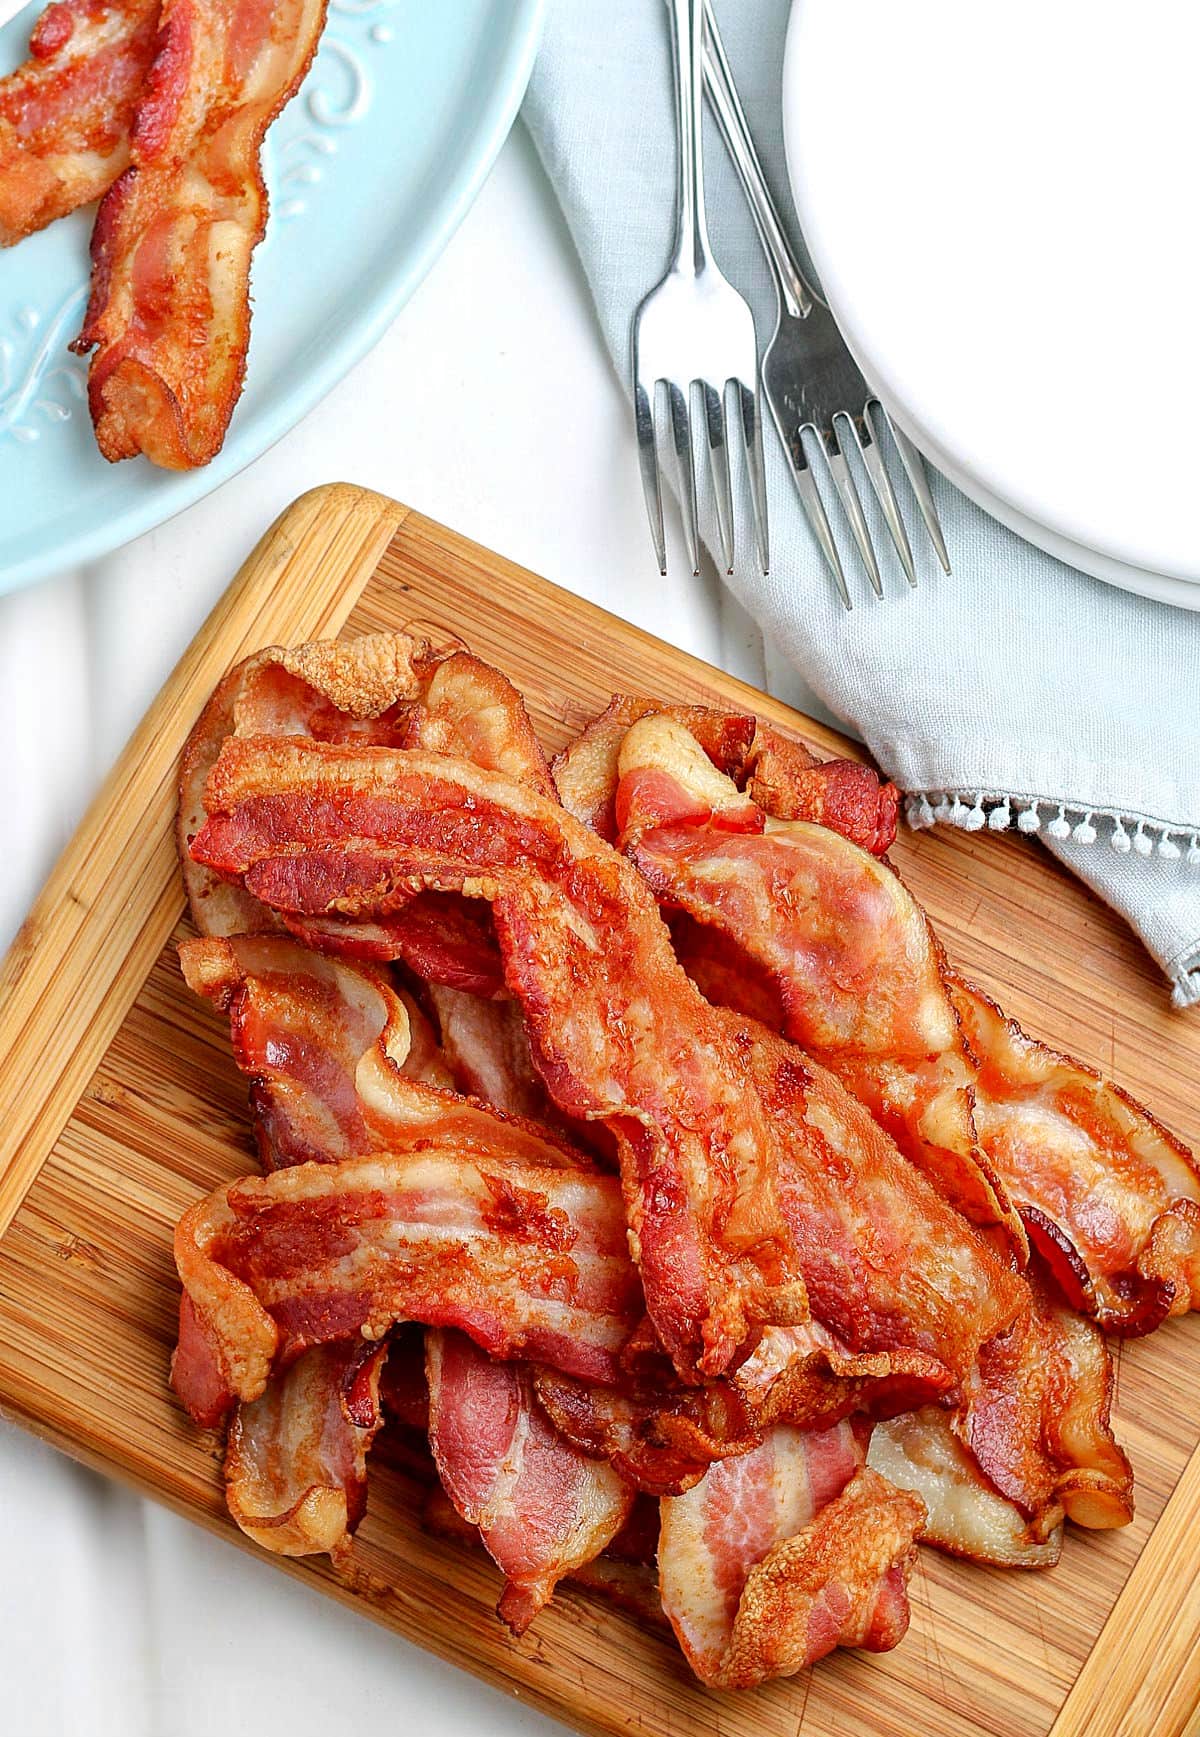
(779,1556)
(169,313)
(65,113)
(543,1509)
(730,1181)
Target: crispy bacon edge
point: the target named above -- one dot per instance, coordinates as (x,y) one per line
(779,1556)
(65,114)
(777,772)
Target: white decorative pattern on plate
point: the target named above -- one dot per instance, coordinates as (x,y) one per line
(337,93)
(40,381)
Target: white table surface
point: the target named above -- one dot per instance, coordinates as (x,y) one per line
(489,405)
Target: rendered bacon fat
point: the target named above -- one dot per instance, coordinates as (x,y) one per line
(783,1554)
(722,1191)
(543,1509)
(296,1459)
(65,114)
(528,1260)
(966,1515)
(169,314)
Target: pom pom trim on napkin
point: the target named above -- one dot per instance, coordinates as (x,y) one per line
(1125,833)
(973,810)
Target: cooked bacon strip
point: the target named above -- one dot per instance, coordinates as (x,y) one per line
(342,1064)
(660,1439)
(1111,1200)
(744,1170)
(778,773)
(169,314)
(441,937)
(330,690)
(783,1554)
(296,1458)
(967,1517)
(631,1586)
(850,953)
(529,1260)
(542,1507)
(65,114)
(1037,1421)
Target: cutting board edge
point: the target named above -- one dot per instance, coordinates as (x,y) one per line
(1102,1694)
(62,961)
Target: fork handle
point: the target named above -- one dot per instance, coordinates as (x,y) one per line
(794,289)
(687,42)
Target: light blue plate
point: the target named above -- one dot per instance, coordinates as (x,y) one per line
(370,170)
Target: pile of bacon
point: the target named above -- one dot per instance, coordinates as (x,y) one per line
(158,108)
(636,1167)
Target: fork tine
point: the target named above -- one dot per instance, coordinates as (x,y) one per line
(718,453)
(914,466)
(814,511)
(648,461)
(881,482)
(752,436)
(843,481)
(681,428)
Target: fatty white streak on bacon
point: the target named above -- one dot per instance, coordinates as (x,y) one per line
(777,1557)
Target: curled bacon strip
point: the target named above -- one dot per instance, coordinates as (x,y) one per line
(850,954)
(967,1517)
(778,773)
(1037,1421)
(730,1183)
(65,114)
(296,1458)
(779,1556)
(530,1261)
(341,1064)
(169,314)
(543,1509)
(1110,1199)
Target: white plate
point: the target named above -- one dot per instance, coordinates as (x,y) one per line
(999,203)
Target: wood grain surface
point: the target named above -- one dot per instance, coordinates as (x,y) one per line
(120,1103)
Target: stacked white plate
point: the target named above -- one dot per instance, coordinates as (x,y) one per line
(1001,202)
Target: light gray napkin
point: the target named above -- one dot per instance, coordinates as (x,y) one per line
(1015,693)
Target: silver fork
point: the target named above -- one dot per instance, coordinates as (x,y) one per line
(811,381)
(693,338)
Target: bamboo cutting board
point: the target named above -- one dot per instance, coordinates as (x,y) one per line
(120,1104)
